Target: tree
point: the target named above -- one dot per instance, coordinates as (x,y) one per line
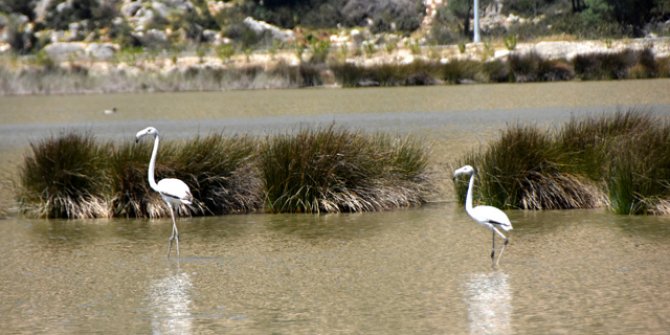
(461,10)
(630,15)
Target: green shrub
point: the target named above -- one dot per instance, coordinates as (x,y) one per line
(510,42)
(320,49)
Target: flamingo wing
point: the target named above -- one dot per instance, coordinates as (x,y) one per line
(493,216)
(175,189)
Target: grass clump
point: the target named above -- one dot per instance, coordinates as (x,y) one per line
(220,172)
(523,169)
(325,170)
(64,177)
(131,194)
(638,176)
(414,74)
(336,170)
(621,161)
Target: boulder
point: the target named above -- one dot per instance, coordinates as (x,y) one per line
(102,51)
(130,8)
(152,37)
(260,27)
(61,51)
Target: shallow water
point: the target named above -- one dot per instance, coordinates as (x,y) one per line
(416,271)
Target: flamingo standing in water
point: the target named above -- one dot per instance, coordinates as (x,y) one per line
(173,191)
(488,216)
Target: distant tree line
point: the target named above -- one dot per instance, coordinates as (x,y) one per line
(381,15)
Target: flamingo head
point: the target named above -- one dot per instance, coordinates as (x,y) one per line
(144,132)
(464,170)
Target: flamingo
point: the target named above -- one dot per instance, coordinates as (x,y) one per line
(488,216)
(173,191)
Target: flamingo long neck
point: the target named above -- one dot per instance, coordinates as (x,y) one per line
(152,165)
(468,197)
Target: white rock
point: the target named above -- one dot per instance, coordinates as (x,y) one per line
(61,51)
(259,27)
(102,51)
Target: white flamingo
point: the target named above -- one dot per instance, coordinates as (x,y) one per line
(173,191)
(487,216)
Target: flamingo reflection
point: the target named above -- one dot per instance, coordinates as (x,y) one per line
(171,305)
(489,303)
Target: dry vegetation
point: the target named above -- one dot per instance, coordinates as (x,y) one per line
(323,170)
(621,161)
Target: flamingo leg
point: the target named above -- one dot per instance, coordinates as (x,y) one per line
(501,252)
(502,249)
(175,233)
(493,245)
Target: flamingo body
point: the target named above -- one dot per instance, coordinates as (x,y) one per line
(174,191)
(490,217)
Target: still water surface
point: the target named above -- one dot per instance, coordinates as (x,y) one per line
(420,271)
(416,271)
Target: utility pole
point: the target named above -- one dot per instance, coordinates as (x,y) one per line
(476,38)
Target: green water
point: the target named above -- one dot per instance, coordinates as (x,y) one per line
(416,271)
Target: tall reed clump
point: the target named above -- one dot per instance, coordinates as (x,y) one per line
(130,190)
(64,177)
(627,152)
(523,169)
(221,173)
(620,160)
(337,170)
(324,170)
(639,173)
(72,176)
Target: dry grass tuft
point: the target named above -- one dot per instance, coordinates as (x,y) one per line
(620,160)
(336,170)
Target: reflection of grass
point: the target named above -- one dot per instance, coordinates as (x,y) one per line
(325,170)
(624,155)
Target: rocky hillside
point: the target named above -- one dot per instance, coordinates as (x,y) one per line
(28,26)
(71,46)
